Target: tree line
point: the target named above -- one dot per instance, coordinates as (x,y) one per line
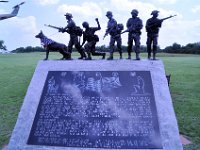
(102,48)
(191,48)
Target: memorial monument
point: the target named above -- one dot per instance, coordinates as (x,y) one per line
(99,104)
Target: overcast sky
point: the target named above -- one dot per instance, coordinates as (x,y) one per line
(20,31)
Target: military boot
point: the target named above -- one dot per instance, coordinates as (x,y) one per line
(129,55)
(103,55)
(82,53)
(137,56)
(120,57)
(149,55)
(154,56)
(89,57)
(69,57)
(110,57)
(82,56)
(154,52)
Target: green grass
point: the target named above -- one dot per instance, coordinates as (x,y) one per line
(16,71)
(185,92)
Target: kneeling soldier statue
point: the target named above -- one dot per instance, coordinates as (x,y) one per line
(92,39)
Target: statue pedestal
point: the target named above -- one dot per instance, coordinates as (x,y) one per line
(100,104)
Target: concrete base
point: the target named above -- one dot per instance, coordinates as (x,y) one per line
(166,116)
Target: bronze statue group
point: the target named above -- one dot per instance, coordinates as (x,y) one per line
(134,26)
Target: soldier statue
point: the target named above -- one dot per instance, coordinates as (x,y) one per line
(71,28)
(152,27)
(114,30)
(92,39)
(134,26)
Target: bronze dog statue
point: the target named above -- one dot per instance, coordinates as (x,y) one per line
(49,44)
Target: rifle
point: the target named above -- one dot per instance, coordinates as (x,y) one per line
(127,30)
(60,29)
(171,16)
(161,20)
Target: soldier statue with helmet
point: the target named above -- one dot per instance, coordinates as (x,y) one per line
(118,38)
(152,27)
(112,28)
(71,28)
(91,38)
(134,26)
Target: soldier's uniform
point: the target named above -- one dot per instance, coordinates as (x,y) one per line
(134,26)
(91,38)
(117,38)
(73,36)
(113,30)
(152,27)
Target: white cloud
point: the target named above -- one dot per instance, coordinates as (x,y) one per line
(173,30)
(123,9)
(196,9)
(19,32)
(167,1)
(179,31)
(86,9)
(176,29)
(145,9)
(27,24)
(2,11)
(47,2)
(127,5)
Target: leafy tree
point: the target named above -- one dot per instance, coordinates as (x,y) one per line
(191,48)
(2,46)
(176,46)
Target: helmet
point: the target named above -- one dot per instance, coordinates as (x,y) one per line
(154,12)
(68,15)
(109,13)
(120,26)
(134,11)
(85,24)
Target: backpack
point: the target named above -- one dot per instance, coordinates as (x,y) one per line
(78,31)
(96,38)
(120,26)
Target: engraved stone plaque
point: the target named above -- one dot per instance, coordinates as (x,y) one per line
(97,109)
(97,105)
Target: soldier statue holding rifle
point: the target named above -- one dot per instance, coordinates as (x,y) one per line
(134,26)
(91,38)
(152,27)
(113,29)
(74,32)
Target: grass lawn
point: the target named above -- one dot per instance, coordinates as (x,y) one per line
(16,71)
